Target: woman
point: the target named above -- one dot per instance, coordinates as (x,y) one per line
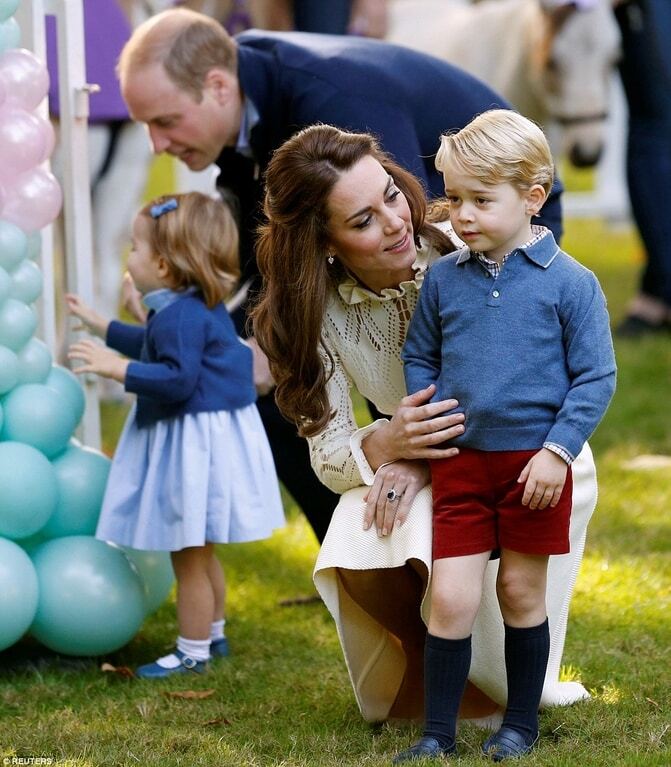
(343,256)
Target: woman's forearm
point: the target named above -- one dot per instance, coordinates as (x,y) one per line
(378,447)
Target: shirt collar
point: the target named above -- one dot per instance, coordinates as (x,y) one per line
(159,299)
(250,119)
(541,249)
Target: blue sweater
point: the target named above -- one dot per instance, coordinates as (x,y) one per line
(190,361)
(529,355)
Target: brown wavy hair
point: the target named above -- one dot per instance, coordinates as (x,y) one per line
(291,254)
(199,242)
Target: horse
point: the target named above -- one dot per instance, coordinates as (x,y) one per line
(553,61)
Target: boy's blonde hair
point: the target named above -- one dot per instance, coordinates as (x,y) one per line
(186,43)
(499,146)
(199,242)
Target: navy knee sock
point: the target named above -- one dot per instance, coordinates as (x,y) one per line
(446,666)
(526,653)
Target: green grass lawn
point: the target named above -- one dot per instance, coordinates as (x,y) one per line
(283,698)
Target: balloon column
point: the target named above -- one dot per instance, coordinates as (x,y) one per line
(75,594)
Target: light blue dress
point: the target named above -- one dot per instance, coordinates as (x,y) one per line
(196,478)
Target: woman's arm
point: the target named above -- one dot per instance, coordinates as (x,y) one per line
(394,450)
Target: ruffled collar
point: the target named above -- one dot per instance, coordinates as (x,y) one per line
(351,291)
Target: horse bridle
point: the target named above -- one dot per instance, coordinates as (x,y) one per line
(568,121)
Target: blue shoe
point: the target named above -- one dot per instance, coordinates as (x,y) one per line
(219,648)
(507,743)
(425,748)
(187,665)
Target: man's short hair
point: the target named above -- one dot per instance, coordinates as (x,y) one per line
(186,43)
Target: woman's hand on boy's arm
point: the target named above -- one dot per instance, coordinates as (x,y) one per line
(98,359)
(91,320)
(545,475)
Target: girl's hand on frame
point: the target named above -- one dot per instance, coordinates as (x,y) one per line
(131,299)
(545,475)
(98,359)
(416,429)
(90,319)
(391,495)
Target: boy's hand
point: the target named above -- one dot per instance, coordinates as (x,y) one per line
(544,475)
(98,359)
(95,322)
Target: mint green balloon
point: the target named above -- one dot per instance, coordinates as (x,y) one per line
(8,8)
(30,543)
(17,323)
(9,370)
(13,245)
(26,282)
(91,599)
(5,284)
(38,415)
(18,593)
(10,35)
(81,474)
(34,246)
(155,568)
(66,383)
(34,362)
(29,490)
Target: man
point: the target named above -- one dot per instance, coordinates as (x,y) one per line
(208,98)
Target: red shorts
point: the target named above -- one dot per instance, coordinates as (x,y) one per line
(477,507)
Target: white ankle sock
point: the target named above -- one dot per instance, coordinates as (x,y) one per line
(198,649)
(217,629)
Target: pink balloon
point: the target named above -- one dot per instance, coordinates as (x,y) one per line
(23,141)
(2,198)
(25,78)
(49,139)
(33,201)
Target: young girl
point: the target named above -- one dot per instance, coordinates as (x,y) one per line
(193,466)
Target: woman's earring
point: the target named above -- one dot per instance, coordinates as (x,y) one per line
(330,259)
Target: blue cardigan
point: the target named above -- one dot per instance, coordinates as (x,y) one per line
(528,355)
(405,98)
(190,361)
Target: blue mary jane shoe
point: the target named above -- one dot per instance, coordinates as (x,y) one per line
(425,748)
(187,665)
(219,648)
(507,744)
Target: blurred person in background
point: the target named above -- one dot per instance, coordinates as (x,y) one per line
(646,76)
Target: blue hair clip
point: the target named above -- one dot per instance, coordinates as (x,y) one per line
(156,211)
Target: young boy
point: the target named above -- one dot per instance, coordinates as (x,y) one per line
(517,331)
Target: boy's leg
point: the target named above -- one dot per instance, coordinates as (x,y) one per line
(521,591)
(455,598)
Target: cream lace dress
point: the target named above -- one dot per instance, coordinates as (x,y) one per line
(364,332)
